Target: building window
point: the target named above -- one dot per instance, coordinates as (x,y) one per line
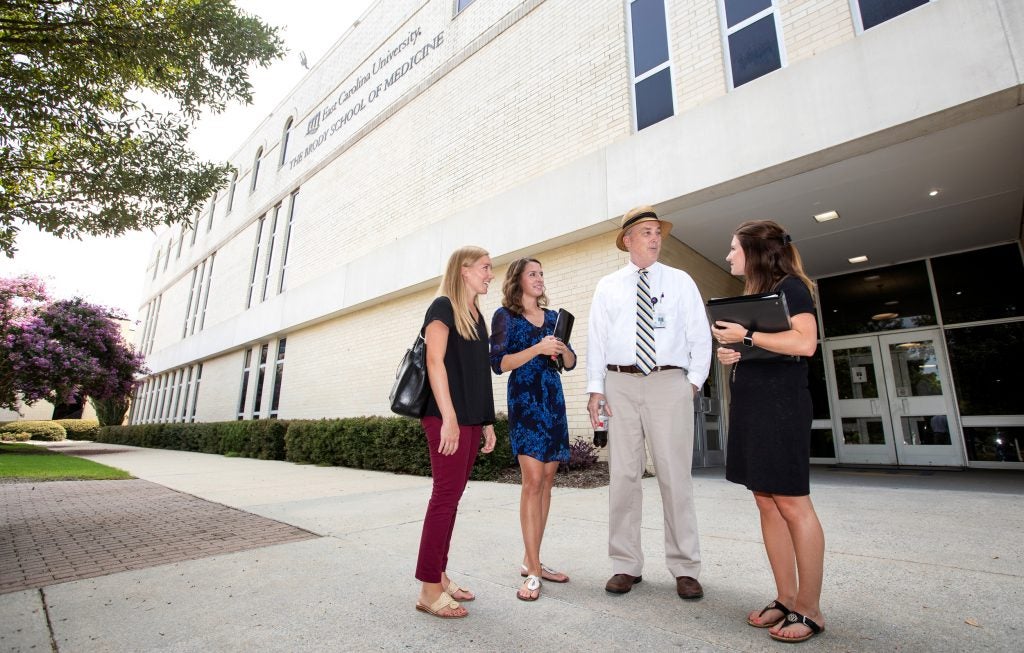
(261,374)
(255,260)
(206,291)
(275,397)
(188,304)
(181,241)
(268,258)
(462,4)
(868,13)
(149,328)
(284,142)
(651,71)
(167,258)
(753,39)
(255,169)
(195,393)
(209,215)
(186,390)
(231,191)
(287,242)
(246,368)
(963,284)
(198,296)
(194,225)
(156,265)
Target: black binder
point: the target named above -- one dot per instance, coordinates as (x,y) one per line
(563,331)
(765,312)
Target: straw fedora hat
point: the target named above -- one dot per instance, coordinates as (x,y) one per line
(634,217)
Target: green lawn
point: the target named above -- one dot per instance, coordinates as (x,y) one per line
(31,462)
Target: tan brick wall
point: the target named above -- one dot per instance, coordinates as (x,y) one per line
(567,95)
(697,59)
(813,26)
(219,387)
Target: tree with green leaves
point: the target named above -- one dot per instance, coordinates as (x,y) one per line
(80,151)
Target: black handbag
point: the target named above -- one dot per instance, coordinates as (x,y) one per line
(411,391)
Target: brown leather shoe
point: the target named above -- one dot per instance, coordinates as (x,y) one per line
(688,588)
(621,583)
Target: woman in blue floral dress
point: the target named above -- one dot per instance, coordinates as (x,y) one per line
(521,343)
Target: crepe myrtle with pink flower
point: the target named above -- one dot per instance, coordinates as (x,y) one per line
(60,350)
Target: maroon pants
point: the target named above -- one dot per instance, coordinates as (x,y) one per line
(450,473)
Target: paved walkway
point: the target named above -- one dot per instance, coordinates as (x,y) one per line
(915,562)
(62,531)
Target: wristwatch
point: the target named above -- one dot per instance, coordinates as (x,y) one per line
(748,339)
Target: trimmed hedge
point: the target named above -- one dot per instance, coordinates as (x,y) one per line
(39,429)
(389,444)
(79,429)
(12,436)
(263,439)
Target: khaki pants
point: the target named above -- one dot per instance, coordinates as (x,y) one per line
(658,408)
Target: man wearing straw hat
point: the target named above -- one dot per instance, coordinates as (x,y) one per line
(649,351)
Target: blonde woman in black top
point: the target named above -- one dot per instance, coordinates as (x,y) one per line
(459,415)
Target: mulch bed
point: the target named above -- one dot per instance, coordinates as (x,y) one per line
(595,476)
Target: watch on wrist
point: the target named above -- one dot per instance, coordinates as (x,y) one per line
(748,339)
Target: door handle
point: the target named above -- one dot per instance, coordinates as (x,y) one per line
(906,406)
(874,406)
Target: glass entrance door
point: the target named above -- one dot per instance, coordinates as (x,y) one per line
(708,447)
(892,399)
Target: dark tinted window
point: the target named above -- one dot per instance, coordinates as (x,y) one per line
(885,299)
(654,99)
(873,12)
(650,38)
(986,363)
(816,383)
(737,11)
(984,284)
(822,444)
(1003,444)
(754,51)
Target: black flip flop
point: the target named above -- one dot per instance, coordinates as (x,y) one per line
(774,605)
(793,618)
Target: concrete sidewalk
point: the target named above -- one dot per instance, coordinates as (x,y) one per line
(915,562)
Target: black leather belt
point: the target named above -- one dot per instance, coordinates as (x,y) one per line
(633,369)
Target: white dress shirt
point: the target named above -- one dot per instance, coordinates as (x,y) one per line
(684,340)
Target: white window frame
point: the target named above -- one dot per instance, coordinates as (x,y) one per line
(858,22)
(727,31)
(285,137)
(633,79)
(286,244)
(255,170)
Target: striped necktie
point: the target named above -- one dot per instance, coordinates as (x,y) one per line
(645,352)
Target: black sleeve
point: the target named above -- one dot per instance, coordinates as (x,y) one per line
(798,298)
(441,310)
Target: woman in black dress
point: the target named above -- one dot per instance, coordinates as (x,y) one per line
(770,428)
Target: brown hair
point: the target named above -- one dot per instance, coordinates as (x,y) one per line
(512,288)
(769,255)
(454,288)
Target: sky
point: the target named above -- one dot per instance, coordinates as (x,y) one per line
(110,271)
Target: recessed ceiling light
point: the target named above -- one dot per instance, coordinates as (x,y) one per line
(871,277)
(858,259)
(884,316)
(826,216)
(933,192)
(892,303)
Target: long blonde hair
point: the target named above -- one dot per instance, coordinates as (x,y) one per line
(454,288)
